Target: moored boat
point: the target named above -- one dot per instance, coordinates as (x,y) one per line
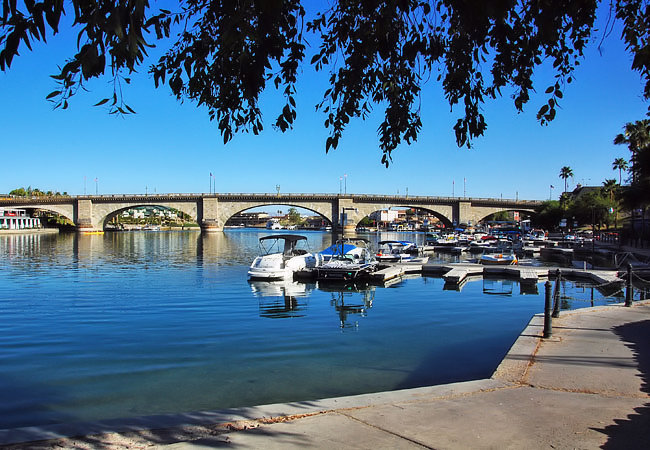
(276,264)
(499,259)
(348,259)
(395,251)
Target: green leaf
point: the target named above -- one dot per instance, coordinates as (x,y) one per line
(101,102)
(52,94)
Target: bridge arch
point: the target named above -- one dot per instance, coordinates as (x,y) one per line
(228,210)
(65,210)
(480,213)
(361,213)
(104,212)
(361,210)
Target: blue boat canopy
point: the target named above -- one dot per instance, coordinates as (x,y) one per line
(336,249)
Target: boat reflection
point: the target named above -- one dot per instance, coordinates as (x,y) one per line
(498,287)
(281,299)
(352,300)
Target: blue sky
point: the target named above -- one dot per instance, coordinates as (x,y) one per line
(170,147)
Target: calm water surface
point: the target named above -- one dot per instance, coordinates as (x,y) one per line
(128,324)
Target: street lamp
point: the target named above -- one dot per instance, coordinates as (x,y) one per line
(340,185)
(345,176)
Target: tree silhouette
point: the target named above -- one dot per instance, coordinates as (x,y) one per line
(223,55)
(619,164)
(565,173)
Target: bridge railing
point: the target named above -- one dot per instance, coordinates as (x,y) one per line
(268,196)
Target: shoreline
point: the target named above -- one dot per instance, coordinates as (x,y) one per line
(29,231)
(189,426)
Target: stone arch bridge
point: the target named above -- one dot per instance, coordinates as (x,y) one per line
(211,211)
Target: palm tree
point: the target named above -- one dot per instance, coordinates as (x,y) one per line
(609,188)
(637,137)
(565,172)
(619,164)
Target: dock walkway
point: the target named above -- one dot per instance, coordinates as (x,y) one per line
(585,387)
(457,273)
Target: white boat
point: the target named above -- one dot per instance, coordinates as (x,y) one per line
(538,235)
(273,224)
(281,257)
(348,259)
(447,240)
(395,251)
(502,259)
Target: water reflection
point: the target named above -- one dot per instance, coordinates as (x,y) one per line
(280,299)
(350,302)
(497,287)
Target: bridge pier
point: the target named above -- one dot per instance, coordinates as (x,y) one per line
(83,220)
(210,226)
(208,212)
(346,215)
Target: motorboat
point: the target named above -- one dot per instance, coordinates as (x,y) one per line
(538,235)
(281,257)
(502,259)
(447,240)
(348,259)
(395,251)
(273,224)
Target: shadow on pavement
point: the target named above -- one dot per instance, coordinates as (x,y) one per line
(209,430)
(634,431)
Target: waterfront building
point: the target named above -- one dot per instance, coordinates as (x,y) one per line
(17,219)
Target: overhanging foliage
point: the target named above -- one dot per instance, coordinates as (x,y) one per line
(378,53)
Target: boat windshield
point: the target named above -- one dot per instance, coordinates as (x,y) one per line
(285,243)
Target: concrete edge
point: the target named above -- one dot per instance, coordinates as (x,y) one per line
(254,413)
(13,232)
(515,364)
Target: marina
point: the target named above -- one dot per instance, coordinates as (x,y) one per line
(89,320)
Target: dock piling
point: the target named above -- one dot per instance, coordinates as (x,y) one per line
(629,292)
(556,294)
(548,327)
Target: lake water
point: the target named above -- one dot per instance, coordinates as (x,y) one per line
(138,323)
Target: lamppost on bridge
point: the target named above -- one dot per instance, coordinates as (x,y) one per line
(340,185)
(96,186)
(84,184)
(345,177)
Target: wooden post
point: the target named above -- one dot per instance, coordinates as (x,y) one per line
(548,326)
(629,292)
(556,294)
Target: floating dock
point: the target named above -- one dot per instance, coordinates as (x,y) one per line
(457,273)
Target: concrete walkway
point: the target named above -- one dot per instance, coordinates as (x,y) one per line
(585,387)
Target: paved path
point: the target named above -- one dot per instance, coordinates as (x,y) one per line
(586,387)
